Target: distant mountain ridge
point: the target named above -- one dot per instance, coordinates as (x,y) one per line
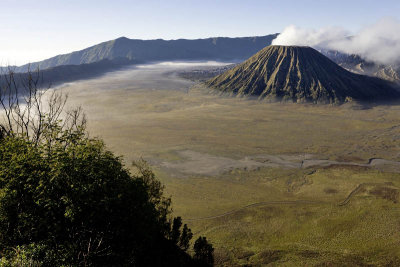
(140,51)
(68,73)
(356,64)
(300,74)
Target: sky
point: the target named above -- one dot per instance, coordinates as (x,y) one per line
(32,30)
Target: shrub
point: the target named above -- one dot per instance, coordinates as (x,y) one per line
(69,201)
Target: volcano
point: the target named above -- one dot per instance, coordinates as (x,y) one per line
(300,74)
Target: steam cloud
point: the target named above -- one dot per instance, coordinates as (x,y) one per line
(379,42)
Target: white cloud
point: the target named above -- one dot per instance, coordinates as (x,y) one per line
(379,42)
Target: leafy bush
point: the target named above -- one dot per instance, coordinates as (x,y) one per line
(65,200)
(69,201)
(204,251)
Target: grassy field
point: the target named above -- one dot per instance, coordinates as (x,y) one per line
(318,216)
(317,229)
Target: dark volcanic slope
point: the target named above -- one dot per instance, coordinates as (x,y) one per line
(139,51)
(299,74)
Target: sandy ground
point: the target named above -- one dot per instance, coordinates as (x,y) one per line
(148,111)
(205,164)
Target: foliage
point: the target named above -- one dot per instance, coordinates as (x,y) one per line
(180,237)
(69,201)
(186,236)
(175,231)
(65,200)
(203,251)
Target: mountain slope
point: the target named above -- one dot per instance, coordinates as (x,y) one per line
(66,73)
(69,73)
(139,51)
(356,64)
(299,74)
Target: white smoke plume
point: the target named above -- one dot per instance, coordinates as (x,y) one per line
(379,42)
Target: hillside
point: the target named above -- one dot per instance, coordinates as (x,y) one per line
(299,74)
(68,73)
(219,48)
(356,64)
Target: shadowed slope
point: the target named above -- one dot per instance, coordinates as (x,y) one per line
(300,74)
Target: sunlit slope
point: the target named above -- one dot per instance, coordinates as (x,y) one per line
(299,74)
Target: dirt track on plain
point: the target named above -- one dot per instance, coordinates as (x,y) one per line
(205,164)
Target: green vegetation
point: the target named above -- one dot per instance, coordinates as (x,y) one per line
(294,222)
(299,74)
(65,200)
(70,202)
(204,251)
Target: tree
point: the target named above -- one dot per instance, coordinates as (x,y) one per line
(180,237)
(204,251)
(175,231)
(75,203)
(65,200)
(156,192)
(30,107)
(185,238)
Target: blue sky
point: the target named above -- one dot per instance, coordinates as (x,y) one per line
(34,30)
